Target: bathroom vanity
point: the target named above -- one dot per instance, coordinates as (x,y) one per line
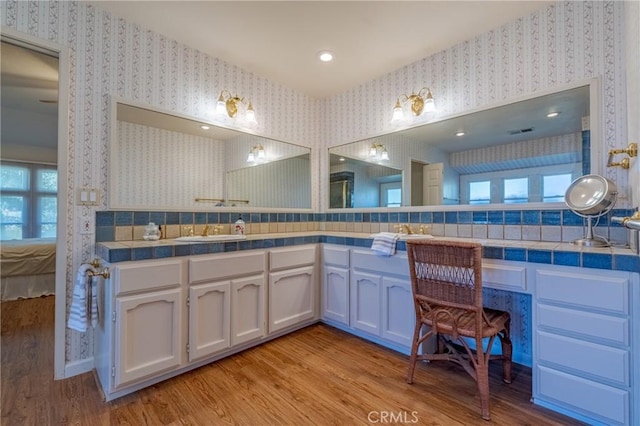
(163,317)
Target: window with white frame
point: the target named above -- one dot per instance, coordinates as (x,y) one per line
(516,190)
(391,194)
(480,192)
(28,200)
(541,184)
(555,186)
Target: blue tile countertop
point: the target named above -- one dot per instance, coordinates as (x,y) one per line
(615,258)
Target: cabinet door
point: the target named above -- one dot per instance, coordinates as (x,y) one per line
(335,305)
(247,309)
(398,312)
(148,335)
(365,302)
(209,319)
(291,297)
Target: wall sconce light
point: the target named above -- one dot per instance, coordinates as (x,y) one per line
(420,102)
(378,152)
(231,104)
(257,155)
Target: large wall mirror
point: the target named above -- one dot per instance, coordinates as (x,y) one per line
(523,152)
(163,161)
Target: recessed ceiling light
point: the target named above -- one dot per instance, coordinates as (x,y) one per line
(205,127)
(341,159)
(325,56)
(553,114)
(461,133)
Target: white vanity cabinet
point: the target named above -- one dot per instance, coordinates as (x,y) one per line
(335,283)
(381,302)
(140,332)
(583,343)
(226,301)
(292,286)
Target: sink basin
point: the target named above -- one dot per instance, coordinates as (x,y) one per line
(210,238)
(415,236)
(404,237)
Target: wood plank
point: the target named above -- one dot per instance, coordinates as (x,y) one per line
(316,376)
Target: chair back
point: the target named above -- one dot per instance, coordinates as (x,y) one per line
(446,273)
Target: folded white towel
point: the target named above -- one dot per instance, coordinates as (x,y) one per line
(384,243)
(80,304)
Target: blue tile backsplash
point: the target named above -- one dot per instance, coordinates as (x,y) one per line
(110,223)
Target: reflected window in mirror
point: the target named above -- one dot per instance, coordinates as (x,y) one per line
(555,186)
(516,190)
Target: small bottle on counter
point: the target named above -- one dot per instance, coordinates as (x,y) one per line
(151,232)
(240,226)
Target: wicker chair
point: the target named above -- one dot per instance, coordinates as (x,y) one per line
(446,280)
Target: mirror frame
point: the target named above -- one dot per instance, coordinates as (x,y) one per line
(111,201)
(596,152)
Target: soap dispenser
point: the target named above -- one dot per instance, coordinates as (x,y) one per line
(240,226)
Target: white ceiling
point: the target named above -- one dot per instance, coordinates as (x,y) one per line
(279,40)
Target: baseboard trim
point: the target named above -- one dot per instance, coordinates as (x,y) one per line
(75,368)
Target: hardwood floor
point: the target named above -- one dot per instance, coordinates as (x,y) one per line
(316,376)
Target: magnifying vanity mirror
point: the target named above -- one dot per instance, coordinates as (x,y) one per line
(162,161)
(591,196)
(524,152)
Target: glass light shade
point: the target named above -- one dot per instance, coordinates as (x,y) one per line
(251,158)
(429,104)
(373,151)
(221,107)
(261,154)
(397,112)
(384,155)
(251,114)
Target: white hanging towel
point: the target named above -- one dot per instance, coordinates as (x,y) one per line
(384,243)
(94,300)
(82,302)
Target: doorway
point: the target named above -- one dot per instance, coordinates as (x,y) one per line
(34,137)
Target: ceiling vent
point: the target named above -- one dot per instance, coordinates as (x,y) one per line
(517,132)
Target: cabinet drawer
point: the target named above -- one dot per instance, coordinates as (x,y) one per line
(210,268)
(602,292)
(609,328)
(141,276)
(507,277)
(335,256)
(397,264)
(292,257)
(590,398)
(591,358)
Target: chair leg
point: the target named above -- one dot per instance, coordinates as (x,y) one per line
(482,378)
(507,354)
(414,352)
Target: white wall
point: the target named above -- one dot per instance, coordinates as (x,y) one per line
(632,25)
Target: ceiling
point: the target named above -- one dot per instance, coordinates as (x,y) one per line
(279,40)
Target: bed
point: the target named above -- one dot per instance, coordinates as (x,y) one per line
(27,268)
